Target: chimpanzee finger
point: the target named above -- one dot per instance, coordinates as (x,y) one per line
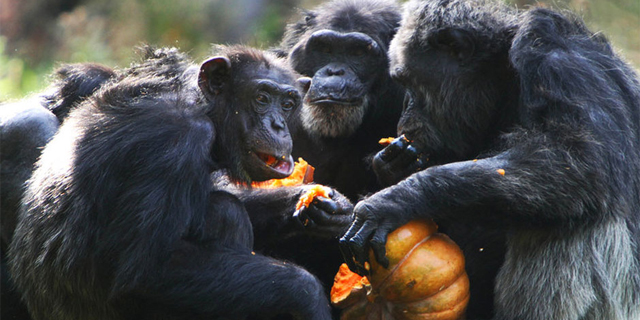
(359,245)
(328,205)
(318,215)
(406,159)
(378,242)
(415,165)
(393,149)
(302,218)
(344,246)
(421,163)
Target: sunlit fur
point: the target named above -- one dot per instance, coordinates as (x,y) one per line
(333,121)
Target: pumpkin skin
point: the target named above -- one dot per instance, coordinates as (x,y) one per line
(425,280)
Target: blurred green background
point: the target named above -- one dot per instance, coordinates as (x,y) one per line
(38,35)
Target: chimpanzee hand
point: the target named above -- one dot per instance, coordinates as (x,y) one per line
(373,220)
(326,217)
(397,161)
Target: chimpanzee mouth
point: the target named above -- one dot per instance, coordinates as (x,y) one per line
(325,101)
(282,165)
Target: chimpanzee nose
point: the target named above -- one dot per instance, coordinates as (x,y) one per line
(335,71)
(279,126)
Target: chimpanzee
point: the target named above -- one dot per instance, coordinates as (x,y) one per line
(352,102)
(121,219)
(350,105)
(531,124)
(26,126)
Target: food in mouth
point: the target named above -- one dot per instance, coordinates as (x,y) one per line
(282,164)
(302,174)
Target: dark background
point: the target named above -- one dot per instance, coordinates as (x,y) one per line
(38,35)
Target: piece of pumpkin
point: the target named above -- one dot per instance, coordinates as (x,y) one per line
(313,192)
(302,173)
(387,141)
(348,287)
(425,280)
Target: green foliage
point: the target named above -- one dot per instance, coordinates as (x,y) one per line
(16,77)
(108,32)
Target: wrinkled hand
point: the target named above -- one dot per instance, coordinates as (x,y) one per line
(397,161)
(372,223)
(326,217)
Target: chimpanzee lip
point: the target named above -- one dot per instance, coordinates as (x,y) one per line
(332,101)
(282,165)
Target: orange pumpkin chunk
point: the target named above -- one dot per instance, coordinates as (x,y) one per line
(344,285)
(386,141)
(312,193)
(302,173)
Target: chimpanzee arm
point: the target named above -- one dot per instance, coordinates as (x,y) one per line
(225,278)
(238,284)
(274,217)
(520,188)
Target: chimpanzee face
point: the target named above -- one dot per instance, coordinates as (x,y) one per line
(453,79)
(343,67)
(253,101)
(267,101)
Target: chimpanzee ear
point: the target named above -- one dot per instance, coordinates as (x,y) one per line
(457,42)
(304,83)
(215,74)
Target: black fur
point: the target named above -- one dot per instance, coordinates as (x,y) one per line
(342,45)
(75,82)
(539,96)
(335,139)
(121,219)
(27,125)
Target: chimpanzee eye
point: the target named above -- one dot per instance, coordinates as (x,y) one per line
(358,52)
(288,105)
(262,98)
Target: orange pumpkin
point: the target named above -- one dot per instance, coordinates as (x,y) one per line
(302,173)
(425,280)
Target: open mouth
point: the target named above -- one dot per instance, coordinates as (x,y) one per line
(283,165)
(331,101)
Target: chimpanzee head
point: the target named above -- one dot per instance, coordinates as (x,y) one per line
(452,57)
(252,94)
(342,45)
